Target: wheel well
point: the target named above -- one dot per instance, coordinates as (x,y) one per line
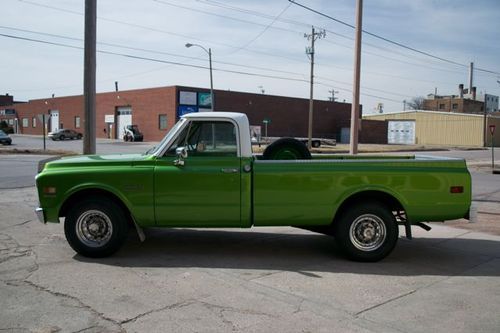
(389,201)
(80,195)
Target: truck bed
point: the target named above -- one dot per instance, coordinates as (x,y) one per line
(309,192)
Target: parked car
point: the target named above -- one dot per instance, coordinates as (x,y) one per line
(64,134)
(5,138)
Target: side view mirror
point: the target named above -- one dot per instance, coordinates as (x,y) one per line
(182,154)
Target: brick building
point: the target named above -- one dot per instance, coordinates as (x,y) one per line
(464,102)
(155,111)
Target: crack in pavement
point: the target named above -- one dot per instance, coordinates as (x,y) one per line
(26,283)
(220,310)
(16,225)
(168,307)
(356,315)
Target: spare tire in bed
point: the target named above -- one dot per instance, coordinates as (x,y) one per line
(286,149)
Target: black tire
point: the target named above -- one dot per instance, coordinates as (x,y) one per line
(79,137)
(286,149)
(62,137)
(87,215)
(316,143)
(366,232)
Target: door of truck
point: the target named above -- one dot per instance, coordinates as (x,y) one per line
(205,190)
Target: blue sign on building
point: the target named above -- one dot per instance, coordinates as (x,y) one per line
(185,109)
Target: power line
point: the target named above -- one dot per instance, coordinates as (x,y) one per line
(148,50)
(154,60)
(266,16)
(202,59)
(263,31)
(378,36)
(173,62)
(215,3)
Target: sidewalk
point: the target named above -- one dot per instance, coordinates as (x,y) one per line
(488,220)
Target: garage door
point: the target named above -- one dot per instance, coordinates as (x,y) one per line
(54,120)
(401,132)
(123,119)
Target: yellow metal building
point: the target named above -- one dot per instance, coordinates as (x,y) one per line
(445,128)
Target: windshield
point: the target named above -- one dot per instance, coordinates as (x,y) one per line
(167,137)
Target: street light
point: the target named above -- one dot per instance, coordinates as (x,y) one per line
(209,51)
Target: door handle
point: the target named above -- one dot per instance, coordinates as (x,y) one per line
(229,170)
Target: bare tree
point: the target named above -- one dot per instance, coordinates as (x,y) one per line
(416,103)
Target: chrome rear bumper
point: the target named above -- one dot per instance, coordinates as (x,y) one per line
(40,214)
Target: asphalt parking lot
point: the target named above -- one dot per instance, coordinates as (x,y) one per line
(257,280)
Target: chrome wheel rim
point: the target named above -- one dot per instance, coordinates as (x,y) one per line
(94,228)
(368,232)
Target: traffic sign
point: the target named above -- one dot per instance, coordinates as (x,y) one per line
(492,129)
(266,121)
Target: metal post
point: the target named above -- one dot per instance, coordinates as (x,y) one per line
(492,153)
(43,131)
(209,51)
(311,95)
(211,79)
(89,140)
(485,125)
(353,149)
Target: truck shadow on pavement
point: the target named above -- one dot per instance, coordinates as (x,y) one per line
(306,253)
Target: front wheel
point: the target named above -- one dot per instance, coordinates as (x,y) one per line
(366,232)
(96,227)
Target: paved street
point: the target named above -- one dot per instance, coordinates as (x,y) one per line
(257,280)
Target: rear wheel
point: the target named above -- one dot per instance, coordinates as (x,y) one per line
(62,137)
(79,137)
(366,232)
(96,227)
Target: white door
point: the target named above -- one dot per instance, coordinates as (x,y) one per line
(54,120)
(401,132)
(123,119)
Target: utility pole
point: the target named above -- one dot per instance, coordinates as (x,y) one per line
(333,98)
(353,145)
(89,62)
(310,51)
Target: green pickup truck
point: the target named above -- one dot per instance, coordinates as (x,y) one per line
(204,174)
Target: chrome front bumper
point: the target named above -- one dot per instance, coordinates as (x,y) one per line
(40,214)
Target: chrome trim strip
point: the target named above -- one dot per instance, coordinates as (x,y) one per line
(342,161)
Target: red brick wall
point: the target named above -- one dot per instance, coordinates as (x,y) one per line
(146,105)
(6,100)
(373,131)
(288,116)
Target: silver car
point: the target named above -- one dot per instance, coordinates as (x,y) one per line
(64,134)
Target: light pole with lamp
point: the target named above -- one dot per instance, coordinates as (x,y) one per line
(209,51)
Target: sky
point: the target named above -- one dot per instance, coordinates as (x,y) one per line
(257,46)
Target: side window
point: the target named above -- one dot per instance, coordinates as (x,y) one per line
(207,138)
